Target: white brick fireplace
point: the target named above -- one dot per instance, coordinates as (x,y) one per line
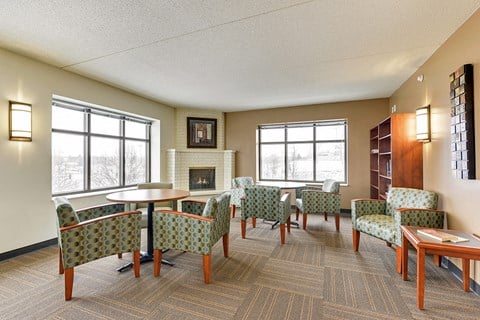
(180,161)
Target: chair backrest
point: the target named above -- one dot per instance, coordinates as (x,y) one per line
(330,185)
(66,216)
(210,208)
(410,198)
(261,202)
(155,185)
(100,211)
(242,182)
(237,193)
(223,204)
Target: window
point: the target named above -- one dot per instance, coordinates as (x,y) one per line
(303,152)
(96,149)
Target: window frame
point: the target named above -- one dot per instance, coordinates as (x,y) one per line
(313,142)
(88,110)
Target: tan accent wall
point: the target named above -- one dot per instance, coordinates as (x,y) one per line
(458,197)
(240,135)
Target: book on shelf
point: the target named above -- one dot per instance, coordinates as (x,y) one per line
(441,236)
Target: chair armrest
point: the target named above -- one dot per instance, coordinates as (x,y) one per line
(361,207)
(419,217)
(285,208)
(193,206)
(185,214)
(182,231)
(99,219)
(100,237)
(100,211)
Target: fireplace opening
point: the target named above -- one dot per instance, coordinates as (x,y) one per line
(201,178)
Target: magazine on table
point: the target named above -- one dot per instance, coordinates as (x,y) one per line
(441,235)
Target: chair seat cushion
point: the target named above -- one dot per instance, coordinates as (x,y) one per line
(378,225)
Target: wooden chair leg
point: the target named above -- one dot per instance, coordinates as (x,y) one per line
(356,239)
(254,222)
(398,255)
(466,274)
(282,233)
(225,245)
(326,216)
(437,260)
(297,213)
(288,224)
(119,255)
(157,262)
(337,221)
(232,210)
(304,220)
(136,263)
(60,261)
(68,283)
(244,228)
(206,268)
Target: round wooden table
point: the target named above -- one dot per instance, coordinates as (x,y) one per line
(149,196)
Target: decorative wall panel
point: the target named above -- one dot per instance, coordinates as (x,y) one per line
(462,123)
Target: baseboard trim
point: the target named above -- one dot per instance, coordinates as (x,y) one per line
(457,272)
(27,249)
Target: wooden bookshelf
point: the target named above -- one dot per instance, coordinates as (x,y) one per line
(396,157)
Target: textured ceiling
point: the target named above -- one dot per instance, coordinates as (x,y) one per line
(234,55)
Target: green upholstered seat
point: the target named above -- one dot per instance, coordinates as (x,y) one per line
(196,230)
(93,233)
(383,218)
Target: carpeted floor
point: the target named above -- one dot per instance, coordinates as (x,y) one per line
(315,275)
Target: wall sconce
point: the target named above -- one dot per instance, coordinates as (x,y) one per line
(20,115)
(423,124)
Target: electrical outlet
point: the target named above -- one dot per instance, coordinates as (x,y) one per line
(394,108)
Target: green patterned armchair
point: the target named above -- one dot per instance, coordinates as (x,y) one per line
(197,229)
(382,219)
(237,192)
(93,233)
(267,203)
(315,200)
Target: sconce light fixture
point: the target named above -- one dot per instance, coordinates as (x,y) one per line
(20,115)
(423,124)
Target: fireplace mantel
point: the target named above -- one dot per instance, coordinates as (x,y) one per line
(180,161)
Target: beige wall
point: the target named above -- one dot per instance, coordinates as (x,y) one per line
(458,197)
(27,215)
(361,116)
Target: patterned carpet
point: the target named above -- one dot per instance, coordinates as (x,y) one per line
(315,275)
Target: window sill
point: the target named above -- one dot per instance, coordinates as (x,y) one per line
(94,193)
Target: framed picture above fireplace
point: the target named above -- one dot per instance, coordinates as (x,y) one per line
(202,133)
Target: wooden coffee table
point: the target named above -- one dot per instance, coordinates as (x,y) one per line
(469,250)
